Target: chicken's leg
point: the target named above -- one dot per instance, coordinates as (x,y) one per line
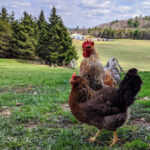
(92,139)
(115,139)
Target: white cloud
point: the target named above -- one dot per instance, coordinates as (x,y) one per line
(124,9)
(81,12)
(16,4)
(105,4)
(146,4)
(88,3)
(95,4)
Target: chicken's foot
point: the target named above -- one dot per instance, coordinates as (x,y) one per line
(92,139)
(115,139)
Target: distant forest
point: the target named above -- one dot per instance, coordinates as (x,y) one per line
(133,28)
(35,38)
(136,28)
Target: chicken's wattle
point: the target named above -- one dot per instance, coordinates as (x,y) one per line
(87,53)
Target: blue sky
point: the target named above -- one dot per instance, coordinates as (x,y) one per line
(86,13)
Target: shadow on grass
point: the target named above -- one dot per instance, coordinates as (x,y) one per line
(24,61)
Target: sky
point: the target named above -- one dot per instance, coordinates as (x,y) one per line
(82,13)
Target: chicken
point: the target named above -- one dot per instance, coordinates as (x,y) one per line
(91,68)
(106,108)
(108,78)
(113,68)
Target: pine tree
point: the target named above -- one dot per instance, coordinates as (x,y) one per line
(5,36)
(12,18)
(61,49)
(136,23)
(18,40)
(43,37)
(41,21)
(4,15)
(24,38)
(55,44)
(130,23)
(31,28)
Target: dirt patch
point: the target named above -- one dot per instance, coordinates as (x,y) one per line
(49,114)
(20,89)
(5,112)
(65,107)
(62,121)
(141,122)
(31,126)
(145,98)
(4,90)
(19,104)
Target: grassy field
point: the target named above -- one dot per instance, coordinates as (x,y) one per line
(34,114)
(130,53)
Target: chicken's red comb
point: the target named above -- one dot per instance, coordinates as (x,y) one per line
(73,75)
(87,43)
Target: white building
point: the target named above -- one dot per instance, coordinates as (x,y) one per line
(77,36)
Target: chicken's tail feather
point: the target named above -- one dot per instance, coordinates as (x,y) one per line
(108,79)
(129,87)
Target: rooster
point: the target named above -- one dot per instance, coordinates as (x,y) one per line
(92,70)
(106,108)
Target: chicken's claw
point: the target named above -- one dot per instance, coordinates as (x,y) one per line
(92,139)
(114,140)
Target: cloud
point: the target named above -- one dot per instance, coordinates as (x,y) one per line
(94,4)
(81,12)
(124,8)
(145,4)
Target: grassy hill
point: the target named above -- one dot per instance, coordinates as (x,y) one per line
(34,113)
(140,22)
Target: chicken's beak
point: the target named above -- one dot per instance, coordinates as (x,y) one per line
(70,81)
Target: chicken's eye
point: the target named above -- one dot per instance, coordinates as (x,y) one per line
(75,78)
(88,47)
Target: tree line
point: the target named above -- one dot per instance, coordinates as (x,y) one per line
(120,33)
(133,28)
(35,38)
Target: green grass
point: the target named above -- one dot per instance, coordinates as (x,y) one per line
(40,122)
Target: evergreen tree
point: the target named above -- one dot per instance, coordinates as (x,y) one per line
(24,38)
(5,36)
(4,15)
(31,28)
(41,21)
(61,49)
(12,18)
(18,40)
(55,45)
(137,34)
(77,28)
(43,37)
(130,23)
(136,23)
(55,30)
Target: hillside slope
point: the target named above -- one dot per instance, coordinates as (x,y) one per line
(140,22)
